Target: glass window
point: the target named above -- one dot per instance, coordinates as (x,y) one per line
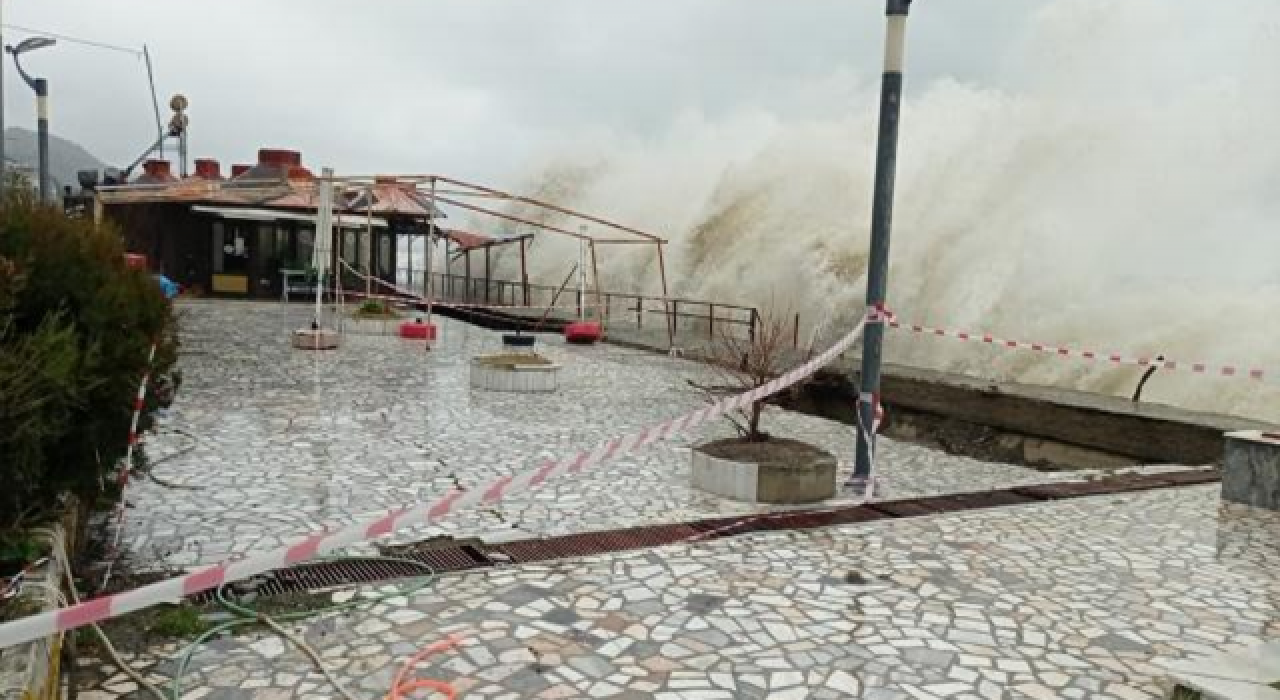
(234,258)
(351,247)
(218,232)
(384,255)
(306,249)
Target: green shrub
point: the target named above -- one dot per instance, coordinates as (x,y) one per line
(75,327)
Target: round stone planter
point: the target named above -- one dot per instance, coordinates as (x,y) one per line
(807,475)
(515,377)
(315,339)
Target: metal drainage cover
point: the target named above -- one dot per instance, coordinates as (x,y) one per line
(325,575)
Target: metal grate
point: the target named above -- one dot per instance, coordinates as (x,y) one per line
(444,558)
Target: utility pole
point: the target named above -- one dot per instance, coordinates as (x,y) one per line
(42,138)
(881,222)
(4,161)
(41,88)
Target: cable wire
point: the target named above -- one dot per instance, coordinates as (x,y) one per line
(75,40)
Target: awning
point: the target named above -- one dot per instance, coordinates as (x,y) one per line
(248,214)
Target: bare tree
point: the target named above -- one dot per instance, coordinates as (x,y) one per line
(742,364)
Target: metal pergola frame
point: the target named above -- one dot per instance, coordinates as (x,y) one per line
(462,194)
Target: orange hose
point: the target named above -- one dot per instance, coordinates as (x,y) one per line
(403,686)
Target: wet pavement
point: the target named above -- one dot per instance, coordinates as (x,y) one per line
(266,443)
(1080,599)
(1085,598)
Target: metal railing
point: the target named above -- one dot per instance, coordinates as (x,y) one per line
(621,312)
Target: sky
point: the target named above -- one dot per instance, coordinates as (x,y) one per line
(471,88)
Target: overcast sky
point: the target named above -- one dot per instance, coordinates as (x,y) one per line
(475,88)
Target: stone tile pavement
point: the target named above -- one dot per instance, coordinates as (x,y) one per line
(1077,599)
(266,443)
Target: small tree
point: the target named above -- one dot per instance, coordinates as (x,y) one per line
(76,324)
(745,363)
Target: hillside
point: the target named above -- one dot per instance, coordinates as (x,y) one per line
(65,157)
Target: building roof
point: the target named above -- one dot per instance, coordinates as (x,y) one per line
(466,240)
(392,197)
(277,181)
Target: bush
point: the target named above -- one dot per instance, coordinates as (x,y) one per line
(76,325)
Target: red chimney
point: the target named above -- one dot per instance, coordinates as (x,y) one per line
(239,169)
(208,168)
(279,157)
(156,170)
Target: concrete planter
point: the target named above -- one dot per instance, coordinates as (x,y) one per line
(530,378)
(1251,469)
(315,339)
(806,480)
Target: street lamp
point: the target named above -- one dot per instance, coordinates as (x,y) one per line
(881,219)
(41,88)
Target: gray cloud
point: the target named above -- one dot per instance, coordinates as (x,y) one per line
(474,87)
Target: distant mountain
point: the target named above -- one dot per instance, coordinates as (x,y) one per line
(65,157)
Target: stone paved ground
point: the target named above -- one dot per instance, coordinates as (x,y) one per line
(279,442)
(1077,599)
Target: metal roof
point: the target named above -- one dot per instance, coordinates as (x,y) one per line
(254,214)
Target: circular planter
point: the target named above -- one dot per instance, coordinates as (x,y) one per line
(583,332)
(315,339)
(529,374)
(418,330)
(775,471)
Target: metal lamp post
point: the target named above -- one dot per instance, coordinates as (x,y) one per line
(41,88)
(881,219)
(4,162)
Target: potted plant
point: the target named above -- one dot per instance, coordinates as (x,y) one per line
(755,466)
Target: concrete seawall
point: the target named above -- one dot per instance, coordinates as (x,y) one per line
(1037,425)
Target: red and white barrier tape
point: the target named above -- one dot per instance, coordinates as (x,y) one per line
(1091,355)
(36,626)
(122,477)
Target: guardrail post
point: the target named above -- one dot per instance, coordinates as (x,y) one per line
(468,278)
(751,329)
(675,317)
(639,312)
(488,278)
(795,333)
(711,321)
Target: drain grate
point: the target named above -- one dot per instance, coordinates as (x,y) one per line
(444,557)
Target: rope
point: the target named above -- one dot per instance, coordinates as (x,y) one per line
(245,615)
(403,686)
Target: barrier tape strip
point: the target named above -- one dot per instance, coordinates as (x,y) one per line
(1061,351)
(122,477)
(44,624)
